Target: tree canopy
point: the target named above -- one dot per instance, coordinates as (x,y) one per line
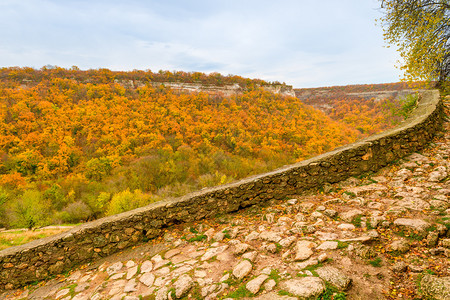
(420,29)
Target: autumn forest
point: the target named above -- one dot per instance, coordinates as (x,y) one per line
(78,145)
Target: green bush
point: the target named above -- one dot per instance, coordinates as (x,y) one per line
(28,211)
(99,168)
(408,104)
(126,200)
(56,195)
(3,200)
(76,212)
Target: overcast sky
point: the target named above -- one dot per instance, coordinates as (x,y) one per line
(301,42)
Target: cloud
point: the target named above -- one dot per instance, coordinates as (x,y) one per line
(303,43)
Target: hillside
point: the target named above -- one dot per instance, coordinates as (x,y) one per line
(76,145)
(383,235)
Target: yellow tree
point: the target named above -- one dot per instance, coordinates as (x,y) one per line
(420,29)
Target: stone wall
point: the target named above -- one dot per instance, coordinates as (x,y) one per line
(42,258)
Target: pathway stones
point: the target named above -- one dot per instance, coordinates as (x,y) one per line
(183,284)
(334,276)
(435,287)
(114,268)
(131,272)
(242,269)
(412,224)
(270,236)
(211,252)
(148,279)
(306,287)
(328,245)
(130,286)
(146,266)
(254,285)
(303,250)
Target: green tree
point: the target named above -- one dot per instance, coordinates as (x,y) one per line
(420,29)
(29,211)
(127,200)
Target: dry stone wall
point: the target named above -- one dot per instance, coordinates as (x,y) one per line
(49,256)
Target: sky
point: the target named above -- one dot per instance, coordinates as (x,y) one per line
(303,43)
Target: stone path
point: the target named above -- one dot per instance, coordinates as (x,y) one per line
(375,237)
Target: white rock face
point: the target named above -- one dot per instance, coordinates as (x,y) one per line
(438,174)
(250,255)
(146,266)
(254,285)
(303,250)
(346,226)
(328,245)
(270,236)
(162,293)
(114,268)
(148,279)
(414,224)
(242,269)
(350,215)
(183,285)
(334,276)
(211,252)
(131,272)
(130,286)
(306,287)
(287,242)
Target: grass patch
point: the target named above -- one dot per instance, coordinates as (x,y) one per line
(232,281)
(275,275)
(240,292)
(193,230)
(278,247)
(351,194)
(431,272)
(226,233)
(284,293)
(369,225)
(357,221)
(172,293)
(22,236)
(376,262)
(198,238)
(332,293)
(71,289)
(413,235)
(342,245)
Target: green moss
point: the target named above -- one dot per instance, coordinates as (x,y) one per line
(275,275)
(332,293)
(198,238)
(342,245)
(376,262)
(351,194)
(240,292)
(357,221)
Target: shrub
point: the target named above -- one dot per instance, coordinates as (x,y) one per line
(76,212)
(28,211)
(126,200)
(99,168)
(56,196)
(3,200)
